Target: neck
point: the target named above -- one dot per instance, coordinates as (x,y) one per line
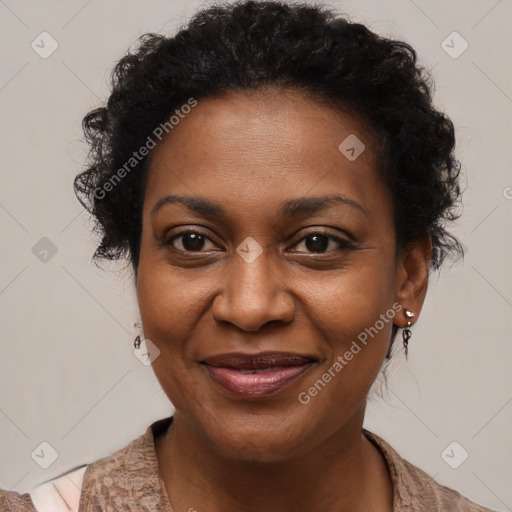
(344,472)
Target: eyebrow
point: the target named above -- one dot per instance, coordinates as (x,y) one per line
(291,208)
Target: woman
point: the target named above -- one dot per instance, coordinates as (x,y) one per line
(280,182)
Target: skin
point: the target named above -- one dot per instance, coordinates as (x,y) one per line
(251,151)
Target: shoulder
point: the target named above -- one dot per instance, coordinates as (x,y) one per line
(416,491)
(59,494)
(101,482)
(127,478)
(122,480)
(15,502)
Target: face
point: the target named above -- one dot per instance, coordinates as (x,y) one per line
(270,285)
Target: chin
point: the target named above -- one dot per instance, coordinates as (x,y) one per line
(244,446)
(258,436)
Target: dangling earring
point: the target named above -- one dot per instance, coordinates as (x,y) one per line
(406,332)
(136,341)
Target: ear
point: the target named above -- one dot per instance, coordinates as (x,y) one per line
(412,278)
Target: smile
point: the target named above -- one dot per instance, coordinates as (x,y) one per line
(258,375)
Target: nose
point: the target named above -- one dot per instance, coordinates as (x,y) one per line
(253,294)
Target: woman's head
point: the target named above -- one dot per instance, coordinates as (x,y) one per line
(285,187)
(252,45)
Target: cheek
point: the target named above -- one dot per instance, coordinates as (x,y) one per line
(170,298)
(348,301)
(353,312)
(169,306)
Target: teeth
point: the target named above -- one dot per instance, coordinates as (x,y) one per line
(261,370)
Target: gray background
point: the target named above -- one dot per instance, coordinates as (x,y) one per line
(67,372)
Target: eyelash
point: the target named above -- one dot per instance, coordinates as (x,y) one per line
(344,243)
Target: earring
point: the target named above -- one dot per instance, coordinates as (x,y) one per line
(136,341)
(406,332)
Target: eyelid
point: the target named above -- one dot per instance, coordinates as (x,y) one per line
(324,230)
(345,243)
(167,240)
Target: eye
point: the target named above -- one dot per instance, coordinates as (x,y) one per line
(190,241)
(320,242)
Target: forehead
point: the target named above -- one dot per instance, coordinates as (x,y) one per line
(256,147)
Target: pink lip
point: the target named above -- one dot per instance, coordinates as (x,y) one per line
(256,375)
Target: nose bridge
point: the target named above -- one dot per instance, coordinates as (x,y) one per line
(253,279)
(253,293)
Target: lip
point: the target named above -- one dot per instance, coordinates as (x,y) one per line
(257,375)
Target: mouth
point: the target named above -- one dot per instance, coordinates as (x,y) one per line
(257,375)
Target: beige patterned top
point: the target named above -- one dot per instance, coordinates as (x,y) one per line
(129,481)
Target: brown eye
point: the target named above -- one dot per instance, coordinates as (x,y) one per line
(317,243)
(190,241)
(320,243)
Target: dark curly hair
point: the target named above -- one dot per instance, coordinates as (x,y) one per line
(254,44)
